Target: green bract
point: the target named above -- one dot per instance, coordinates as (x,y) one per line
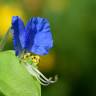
(15,79)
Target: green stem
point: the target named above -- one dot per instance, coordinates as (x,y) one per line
(3,41)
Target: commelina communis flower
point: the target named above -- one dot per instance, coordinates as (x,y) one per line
(36,38)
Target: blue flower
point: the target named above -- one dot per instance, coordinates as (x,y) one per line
(35,37)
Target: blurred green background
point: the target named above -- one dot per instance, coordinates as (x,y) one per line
(73,58)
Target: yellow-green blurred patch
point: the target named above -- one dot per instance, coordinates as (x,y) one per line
(6,13)
(58,6)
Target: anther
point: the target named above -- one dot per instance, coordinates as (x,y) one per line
(27,55)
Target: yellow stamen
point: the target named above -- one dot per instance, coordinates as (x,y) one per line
(35,59)
(28,54)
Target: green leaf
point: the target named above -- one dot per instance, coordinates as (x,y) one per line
(14,78)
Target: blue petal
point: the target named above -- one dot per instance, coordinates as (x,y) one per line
(39,38)
(18,34)
(31,31)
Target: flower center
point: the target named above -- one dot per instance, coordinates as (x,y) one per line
(31,58)
(30,62)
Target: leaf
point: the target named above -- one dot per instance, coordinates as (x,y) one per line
(14,78)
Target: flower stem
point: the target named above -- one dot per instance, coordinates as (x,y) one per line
(3,41)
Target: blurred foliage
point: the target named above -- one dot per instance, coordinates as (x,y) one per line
(73,23)
(14,78)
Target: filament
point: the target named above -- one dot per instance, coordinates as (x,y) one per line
(39,76)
